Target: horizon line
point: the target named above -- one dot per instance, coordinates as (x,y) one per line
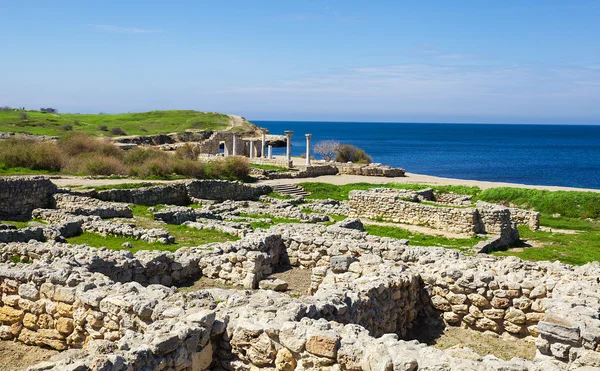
(426,122)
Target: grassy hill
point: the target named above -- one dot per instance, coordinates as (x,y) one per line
(142,123)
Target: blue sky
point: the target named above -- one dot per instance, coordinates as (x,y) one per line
(418,61)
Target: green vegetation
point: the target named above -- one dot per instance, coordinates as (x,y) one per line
(418,239)
(278,169)
(348,152)
(280,196)
(22,224)
(184,236)
(337,217)
(340,192)
(577,249)
(567,203)
(80,154)
(142,123)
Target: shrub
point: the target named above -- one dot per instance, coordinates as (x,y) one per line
(100,165)
(348,152)
(143,130)
(67,127)
(190,168)
(103,128)
(153,168)
(188,152)
(233,167)
(117,131)
(80,143)
(327,149)
(31,154)
(138,156)
(23,116)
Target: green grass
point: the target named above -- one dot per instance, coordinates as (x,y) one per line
(8,171)
(279,196)
(22,224)
(114,243)
(417,239)
(142,123)
(278,169)
(576,249)
(184,236)
(337,217)
(572,204)
(340,192)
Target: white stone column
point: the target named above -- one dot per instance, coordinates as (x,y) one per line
(270,152)
(308,137)
(264,143)
(288,154)
(251,149)
(234,146)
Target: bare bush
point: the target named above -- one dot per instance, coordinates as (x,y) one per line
(188,152)
(31,154)
(327,149)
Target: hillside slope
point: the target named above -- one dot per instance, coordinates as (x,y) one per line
(141,123)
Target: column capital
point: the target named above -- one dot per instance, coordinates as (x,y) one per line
(289,133)
(308,136)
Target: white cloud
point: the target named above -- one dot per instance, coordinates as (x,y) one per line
(119,29)
(440,90)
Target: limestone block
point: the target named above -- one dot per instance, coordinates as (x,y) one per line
(440,303)
(274,284)
(262,352)
(451,317)
(559,329)
(29,291)
(515,316)
(479,300)
(485,324)
(64,325)
(511,327)
(64,294)
(202,360)
(323,346)
(493,313)
(522,303)
(292,336)
(500,303)
(9,315)
(29,321)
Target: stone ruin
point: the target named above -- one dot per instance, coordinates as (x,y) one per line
(115,310)
(445,211)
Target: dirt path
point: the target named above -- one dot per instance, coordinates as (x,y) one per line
(18,356)
(505,347)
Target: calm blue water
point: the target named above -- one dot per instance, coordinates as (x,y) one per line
(562,155)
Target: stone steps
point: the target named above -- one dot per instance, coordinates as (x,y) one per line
(290,189)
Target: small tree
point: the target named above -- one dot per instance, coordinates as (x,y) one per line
(23,116)
(348,152)
(327,149)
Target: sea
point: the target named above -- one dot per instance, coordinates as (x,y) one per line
(559,155)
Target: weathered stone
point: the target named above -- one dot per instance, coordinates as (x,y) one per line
(9,315)
(322,346)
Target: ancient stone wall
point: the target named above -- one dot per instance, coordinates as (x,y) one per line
(171,194)
(221,190)
(389,207)
(20,195)
(369,170)
(525,217)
